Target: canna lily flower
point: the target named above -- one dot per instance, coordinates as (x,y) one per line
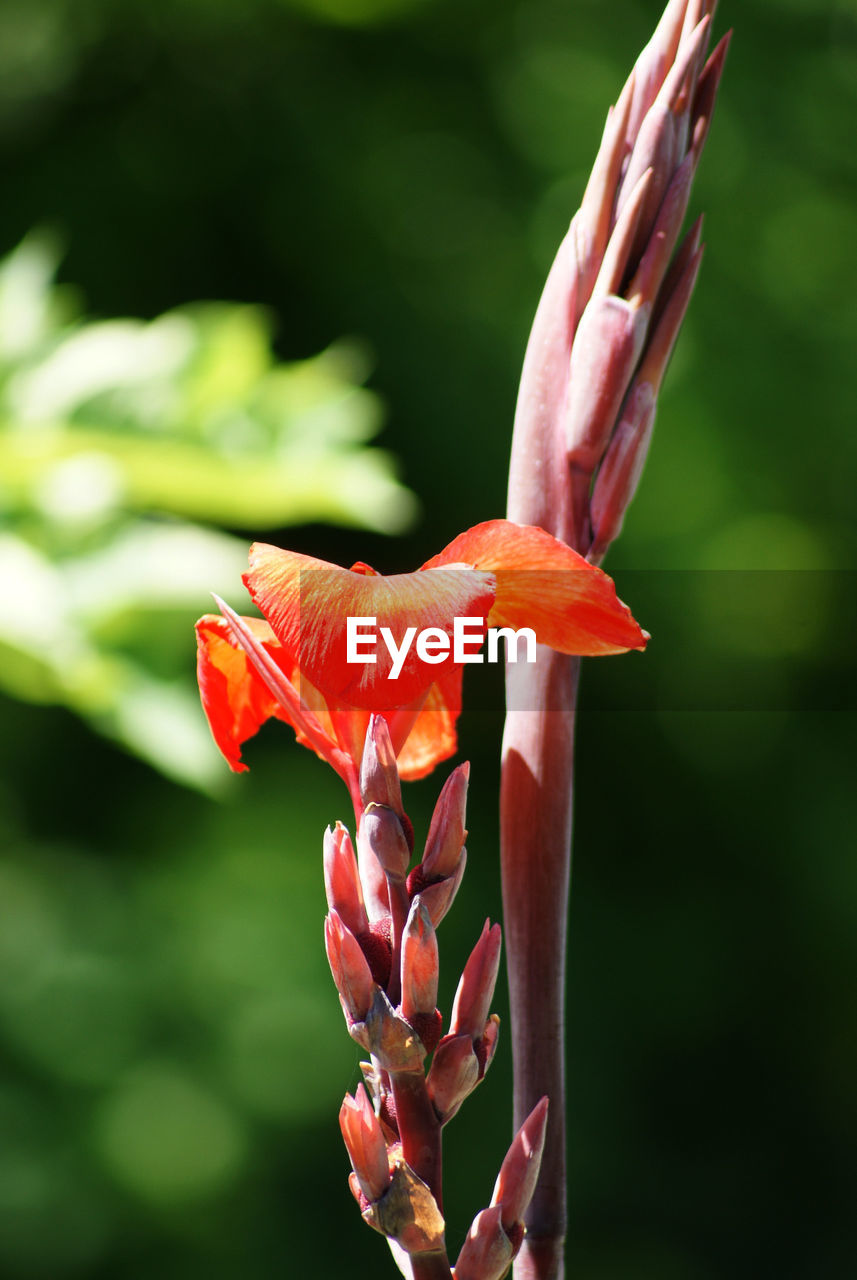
(293,664)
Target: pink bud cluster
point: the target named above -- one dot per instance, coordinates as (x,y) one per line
(381,940)
(618,290)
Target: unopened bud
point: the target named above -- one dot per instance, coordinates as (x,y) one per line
(476,988)
(606,349)
(381,833)
(350,971)
(376,891)
(614,267)
(656,259)
(379,773)
(365,1144)
(662,136)
(342,881)
(619,473)
(419,964)
(519,1172)
(665,330)
(487,1252)
(447,832)
(706,92)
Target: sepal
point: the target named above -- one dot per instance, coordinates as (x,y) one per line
(408,1212)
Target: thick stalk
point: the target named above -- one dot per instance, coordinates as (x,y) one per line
(430,1266)
(419,1129)
(536,786)
(536,812)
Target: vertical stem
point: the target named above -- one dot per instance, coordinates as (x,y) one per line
(419,1129)
(536,812)
(430,1266)
(536,785)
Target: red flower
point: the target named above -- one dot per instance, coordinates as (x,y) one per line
(293,665)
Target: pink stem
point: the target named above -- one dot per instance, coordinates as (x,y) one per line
(535,815)
(536,784)
(419,1129)
(430,1266)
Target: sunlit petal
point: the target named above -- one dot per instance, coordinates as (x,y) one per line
(543,584)
(431,737)
(308,603)
(235,700)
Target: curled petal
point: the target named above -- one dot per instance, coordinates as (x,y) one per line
(543,584)
(235,699)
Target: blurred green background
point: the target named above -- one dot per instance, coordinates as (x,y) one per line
(372,191)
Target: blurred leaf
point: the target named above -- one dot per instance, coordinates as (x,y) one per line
(115,435)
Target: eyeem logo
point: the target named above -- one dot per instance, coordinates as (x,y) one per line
(433,643)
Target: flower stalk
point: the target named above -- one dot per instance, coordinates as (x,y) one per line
(606,324)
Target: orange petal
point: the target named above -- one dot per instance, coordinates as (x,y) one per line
(308,602)
(541,583)
(296,700)
(432,736)
(235,699)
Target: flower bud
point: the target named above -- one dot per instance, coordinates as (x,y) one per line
(619,473)
(447,832)
(379,773)
(476,988)
(342,881)
(662,137)
(419,964)
(519,1172)
(487,1252)
(365,1144)
(376,891)
(381,833)
(606,349)
(350,971)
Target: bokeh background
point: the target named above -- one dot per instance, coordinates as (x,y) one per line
(269,270)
